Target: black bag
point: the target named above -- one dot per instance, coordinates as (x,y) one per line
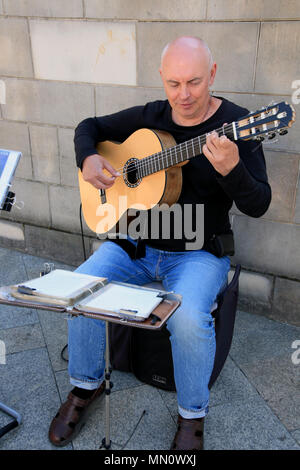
(148,353)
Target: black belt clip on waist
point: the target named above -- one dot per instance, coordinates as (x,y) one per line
(220,245)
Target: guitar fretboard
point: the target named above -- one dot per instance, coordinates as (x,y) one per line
(179,153)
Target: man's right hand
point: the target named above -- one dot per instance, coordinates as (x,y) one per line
(92,172)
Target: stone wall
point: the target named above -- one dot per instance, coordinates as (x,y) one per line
(61,62)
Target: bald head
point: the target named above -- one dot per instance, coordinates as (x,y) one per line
(187,45)
(187,71)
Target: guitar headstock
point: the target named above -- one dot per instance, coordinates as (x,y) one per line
(266,122)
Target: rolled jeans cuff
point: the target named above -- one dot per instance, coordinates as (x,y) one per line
(190,414)
(86,384)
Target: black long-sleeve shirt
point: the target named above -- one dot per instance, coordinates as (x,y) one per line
(246,185)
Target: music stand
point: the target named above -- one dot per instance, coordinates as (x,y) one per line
(155,321)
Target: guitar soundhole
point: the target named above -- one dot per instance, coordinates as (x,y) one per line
(131,173)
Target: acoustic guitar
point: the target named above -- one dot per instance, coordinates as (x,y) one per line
(150,161)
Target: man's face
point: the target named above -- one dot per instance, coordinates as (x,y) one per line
(187,76)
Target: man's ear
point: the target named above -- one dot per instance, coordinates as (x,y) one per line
(213,72)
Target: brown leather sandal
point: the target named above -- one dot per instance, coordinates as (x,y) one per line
(189,435)
(71,417)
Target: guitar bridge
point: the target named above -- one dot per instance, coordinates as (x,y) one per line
(102,196)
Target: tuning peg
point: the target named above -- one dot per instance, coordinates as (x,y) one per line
(260,138)
(271,135)
(283,131)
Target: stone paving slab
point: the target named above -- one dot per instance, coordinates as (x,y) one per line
(278,382)
(28,386)
(12,267)
(296,435)
(246,425)
(22,338)
(257,338)
(54,327)
(11,317)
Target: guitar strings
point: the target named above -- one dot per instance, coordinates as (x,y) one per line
(146,162)
(183,147)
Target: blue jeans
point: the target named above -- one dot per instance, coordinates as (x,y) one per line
(199,277)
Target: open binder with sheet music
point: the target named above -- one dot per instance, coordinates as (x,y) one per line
(94,297)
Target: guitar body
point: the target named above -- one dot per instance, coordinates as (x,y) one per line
(161,187)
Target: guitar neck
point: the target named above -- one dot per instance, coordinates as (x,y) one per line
(181,152)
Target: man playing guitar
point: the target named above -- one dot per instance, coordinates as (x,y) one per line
(226,172)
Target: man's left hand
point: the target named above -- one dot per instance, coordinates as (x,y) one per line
(222,153)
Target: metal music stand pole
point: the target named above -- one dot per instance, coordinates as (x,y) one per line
(106,442)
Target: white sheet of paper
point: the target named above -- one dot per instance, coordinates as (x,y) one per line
(60,283)
(114,297)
